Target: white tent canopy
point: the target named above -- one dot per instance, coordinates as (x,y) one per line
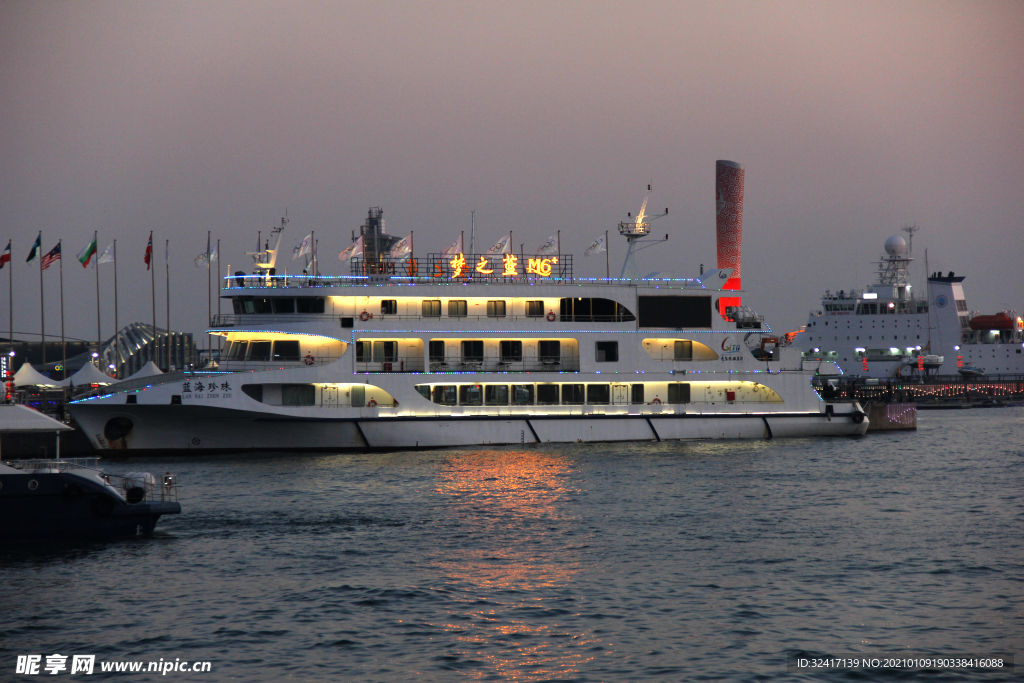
(88,374)
(15,418)
(148,370)
(28,376)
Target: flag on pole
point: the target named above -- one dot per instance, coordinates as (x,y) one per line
(51,256)
(355,249)
(502,246)
(549,247)
(402,248)
(148,258)
(597,246)
(6,256)
(213,252)
(108,254)
(302,248)
(36,247)
(88,251)
(453,248)
(207,257)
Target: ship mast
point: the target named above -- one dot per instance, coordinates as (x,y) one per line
(635,232)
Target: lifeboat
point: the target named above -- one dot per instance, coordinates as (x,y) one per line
(999,321)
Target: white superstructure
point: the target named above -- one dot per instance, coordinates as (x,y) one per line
(890,330)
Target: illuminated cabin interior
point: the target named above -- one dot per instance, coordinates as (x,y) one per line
(247,348)
(327,395)
(596,393)
(678,350)
(459,354)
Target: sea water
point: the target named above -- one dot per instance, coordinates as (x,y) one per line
(708,560)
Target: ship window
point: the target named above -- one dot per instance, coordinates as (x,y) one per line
(238,305)
(547,394)
(385,351)
(436,349)
(675,311)
(286,350)
(298,394)
(457,308)
(678,393)
(511,351)
(389,307)
(309,304)
(572,394)
(607,351)
(253,391)
(259,350)
(535,309)
(471,395)
(358,396)
(587,310)
(260,305)
(495,309)
(445,394)
(363,350)
(599,394)
(238,350)
(424,390)
(282,304)
(637,393)
(431,308)
(683,349)
(496,394)
(522,394)
(473,351)
(549,352)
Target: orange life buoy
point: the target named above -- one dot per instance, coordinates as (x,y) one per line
(364,316)
(372,403)
(551,316)
(656,401)
(309,360)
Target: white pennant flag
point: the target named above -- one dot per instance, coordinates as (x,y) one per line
(304,247)
(502,246)
(453,248)
(206,258)
(597,246)
(402,248)
(355,249)
(108,254)
(549,247)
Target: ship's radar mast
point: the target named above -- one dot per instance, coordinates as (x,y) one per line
(635,231)
(892,268)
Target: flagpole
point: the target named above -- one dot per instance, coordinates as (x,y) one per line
(96,265)
(209,305)
(312,245)
(219,337)
(117,330)
(412,254)
(152,285)
(42,317)
(607,259)
(559,238)
(63,343)
(167,271)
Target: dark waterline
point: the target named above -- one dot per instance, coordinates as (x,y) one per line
(654,561)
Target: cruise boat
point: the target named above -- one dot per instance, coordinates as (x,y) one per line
(888,330)
(465,349)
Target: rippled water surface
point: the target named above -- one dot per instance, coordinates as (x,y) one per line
(653,561)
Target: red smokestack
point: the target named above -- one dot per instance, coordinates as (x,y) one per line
(729,224)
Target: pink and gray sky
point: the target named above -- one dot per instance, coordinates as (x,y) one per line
(852,119)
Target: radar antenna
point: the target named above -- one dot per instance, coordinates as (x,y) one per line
(635,231)
(910,230)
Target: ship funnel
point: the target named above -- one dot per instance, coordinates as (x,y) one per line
(729,228)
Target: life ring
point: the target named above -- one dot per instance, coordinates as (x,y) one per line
(551,316)
(372,403)
(364,316)
(309,360)
(656,401)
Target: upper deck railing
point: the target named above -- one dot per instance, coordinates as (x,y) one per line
(263,282)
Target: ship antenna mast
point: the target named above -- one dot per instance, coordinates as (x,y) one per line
(910,230)
(635,232)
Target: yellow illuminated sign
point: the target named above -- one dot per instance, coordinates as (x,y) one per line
(458,265)
(482,266)
(511,263)
(541,266)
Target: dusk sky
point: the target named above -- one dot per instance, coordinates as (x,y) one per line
(851,118)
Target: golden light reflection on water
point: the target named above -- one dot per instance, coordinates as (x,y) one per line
(523,501)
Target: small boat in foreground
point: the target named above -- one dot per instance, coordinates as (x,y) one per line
(72,500)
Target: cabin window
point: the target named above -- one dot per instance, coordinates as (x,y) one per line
(549,352)
(511,351)
(238,306)
(259,350)
(637,392)
(385,351)
(683,349)
(363,351)
(445,394)
(496,394)
(535,309)
(389,307)
(495,309)
(572,394)
(423,390)
(282,304)
(431,308)
(286,350)
(436,350)
(298,394)
(588,310)
(253,391)
(358,396)
(309,304)
(471,395)
(457,308)
(678,393)
(607,351)
(547,394)
(599,394)
(522,394)
(675,311)
(238,350)
(260,305)
(473,351)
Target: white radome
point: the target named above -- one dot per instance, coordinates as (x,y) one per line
(895,246)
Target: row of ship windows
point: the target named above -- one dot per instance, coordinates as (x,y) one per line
(895,337)
(546,394)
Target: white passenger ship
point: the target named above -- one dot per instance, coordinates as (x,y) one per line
(889,330)
(474,349)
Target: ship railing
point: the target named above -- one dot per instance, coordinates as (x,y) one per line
(253,319)
(254,365)
(401,364)
(264,282)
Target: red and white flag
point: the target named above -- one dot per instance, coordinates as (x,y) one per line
(148,258)
(6,256)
